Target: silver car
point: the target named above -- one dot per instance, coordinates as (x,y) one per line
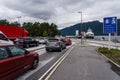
(55,44)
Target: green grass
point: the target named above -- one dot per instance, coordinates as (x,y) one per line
(113,54)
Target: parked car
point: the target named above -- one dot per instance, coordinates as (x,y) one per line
(68,41)
(55,44)
(4,39)
(42,40)
(26,42)
(15,60)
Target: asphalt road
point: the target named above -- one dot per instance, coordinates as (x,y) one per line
(46,60)
(84,63)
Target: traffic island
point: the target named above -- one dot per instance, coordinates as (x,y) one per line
(112,54)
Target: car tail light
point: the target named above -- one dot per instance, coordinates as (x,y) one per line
(58,43)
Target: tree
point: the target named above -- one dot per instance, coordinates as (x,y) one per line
(15,24)
(4,22)
(54,30)
(45,27)
(38,29)
(45,34)
(27,26)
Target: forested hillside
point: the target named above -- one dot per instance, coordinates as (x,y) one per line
(96,26)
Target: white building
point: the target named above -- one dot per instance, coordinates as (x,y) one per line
(89,33)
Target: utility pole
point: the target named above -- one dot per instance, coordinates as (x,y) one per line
(81,26)
(19,20)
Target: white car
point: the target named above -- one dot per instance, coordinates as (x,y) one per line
(4,39)
(42,40)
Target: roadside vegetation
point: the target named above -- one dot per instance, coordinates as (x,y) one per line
(113,54)
(35,29)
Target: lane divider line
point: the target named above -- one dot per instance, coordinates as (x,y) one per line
(55,68)
(52,69)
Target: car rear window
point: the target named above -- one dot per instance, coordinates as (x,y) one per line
(51,44)
(28,38)
(25,39)
(53,40)
(3,53)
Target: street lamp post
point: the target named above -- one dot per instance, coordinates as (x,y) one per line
(81,26)
(19,19)
(81,20)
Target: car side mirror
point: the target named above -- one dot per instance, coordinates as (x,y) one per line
(27,52)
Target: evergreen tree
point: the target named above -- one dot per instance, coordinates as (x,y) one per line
(4,22)
(45,34)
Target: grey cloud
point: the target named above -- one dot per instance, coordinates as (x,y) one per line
(35,8)
(45,9)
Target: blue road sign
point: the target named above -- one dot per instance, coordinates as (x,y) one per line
(110,25)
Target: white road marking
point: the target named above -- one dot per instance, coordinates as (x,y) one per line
(55,65)
(41,63)
(41,51)
(34,48)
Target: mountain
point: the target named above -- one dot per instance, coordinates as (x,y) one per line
(96,26)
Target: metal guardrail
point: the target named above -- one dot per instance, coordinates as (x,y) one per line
(115,45)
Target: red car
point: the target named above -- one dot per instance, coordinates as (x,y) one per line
(15,60)
(68,41)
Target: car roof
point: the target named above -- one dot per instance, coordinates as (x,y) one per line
(52,38)
(5,44)
(24,37)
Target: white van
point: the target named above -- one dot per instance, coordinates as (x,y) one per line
(4,39)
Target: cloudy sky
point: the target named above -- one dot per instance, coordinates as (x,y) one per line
(61,12)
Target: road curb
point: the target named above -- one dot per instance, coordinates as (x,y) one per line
(108,59)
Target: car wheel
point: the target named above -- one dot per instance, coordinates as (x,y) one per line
(65,47)
(47,50)
(35,64)
(60,49)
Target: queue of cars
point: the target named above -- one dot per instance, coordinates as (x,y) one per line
(14,59)
(26,42)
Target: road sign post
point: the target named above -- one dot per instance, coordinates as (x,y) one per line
(110,26)
(109,40)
